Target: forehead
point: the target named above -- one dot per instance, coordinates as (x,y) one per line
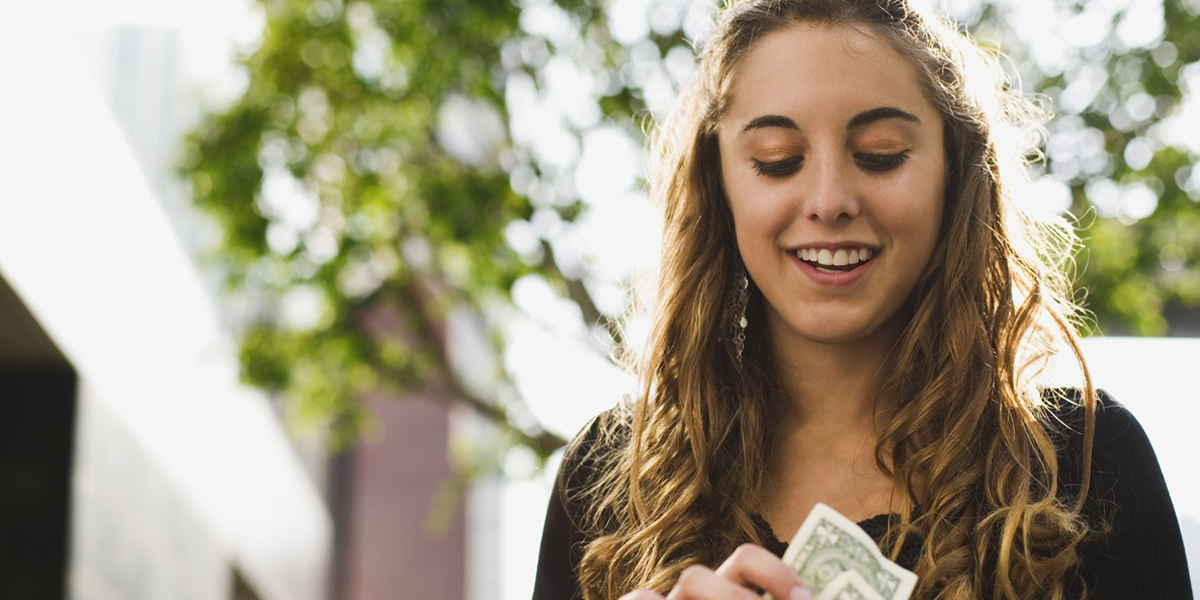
(819,71)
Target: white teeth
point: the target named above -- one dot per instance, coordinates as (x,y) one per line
(839,257)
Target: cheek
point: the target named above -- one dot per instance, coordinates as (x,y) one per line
(925,228)
(758,218)
(918,210)
(761,207)
(936,203)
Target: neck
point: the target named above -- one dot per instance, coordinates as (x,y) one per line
(833,387)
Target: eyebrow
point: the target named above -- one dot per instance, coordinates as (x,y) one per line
(862,118)
(771,121)
(883,112)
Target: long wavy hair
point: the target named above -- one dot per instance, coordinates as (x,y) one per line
(969,448)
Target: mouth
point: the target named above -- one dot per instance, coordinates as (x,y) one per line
(839,260)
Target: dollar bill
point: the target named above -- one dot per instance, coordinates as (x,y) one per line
(839,561)
(850,585)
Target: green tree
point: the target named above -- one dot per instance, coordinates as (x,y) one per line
(1116,76)
(375,168)
(330,182)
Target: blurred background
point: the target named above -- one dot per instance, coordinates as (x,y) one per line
(300,299)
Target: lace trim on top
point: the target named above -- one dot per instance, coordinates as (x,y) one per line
(875,527)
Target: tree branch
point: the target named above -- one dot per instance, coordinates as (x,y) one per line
(446,382)
(577,291)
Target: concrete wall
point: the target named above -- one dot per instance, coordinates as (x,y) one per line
(134,536)
(404,540)
(175,441)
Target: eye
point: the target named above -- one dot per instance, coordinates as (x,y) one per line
(780,168)
(880,162)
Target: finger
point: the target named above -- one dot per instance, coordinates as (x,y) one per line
(641,595)
(752,565)
(700,583)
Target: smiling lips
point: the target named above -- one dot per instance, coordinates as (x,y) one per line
(840,260)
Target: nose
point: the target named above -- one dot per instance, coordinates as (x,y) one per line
(830,196)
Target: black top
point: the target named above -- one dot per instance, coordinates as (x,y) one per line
(1140,556)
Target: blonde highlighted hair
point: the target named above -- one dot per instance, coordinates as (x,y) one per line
(969,446)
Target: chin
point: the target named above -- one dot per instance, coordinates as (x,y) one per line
(834,330)
(836,338)
(830,332)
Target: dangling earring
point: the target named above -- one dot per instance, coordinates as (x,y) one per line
(741,295)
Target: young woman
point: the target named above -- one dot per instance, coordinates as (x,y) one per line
(853,309)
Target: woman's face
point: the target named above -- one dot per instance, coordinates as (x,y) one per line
(834,166)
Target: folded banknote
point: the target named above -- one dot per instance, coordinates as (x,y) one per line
(839,561)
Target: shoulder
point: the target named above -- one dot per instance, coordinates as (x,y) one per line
(617,420)
(1136,549)
(1066,407)
(1119,444)
(1066,415)
(594,449)
(570,524)
(1118,441)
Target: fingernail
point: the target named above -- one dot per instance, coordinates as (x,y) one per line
(801,592)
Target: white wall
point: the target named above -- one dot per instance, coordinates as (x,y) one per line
(85,243)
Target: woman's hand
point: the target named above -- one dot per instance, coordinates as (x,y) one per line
(750,567)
